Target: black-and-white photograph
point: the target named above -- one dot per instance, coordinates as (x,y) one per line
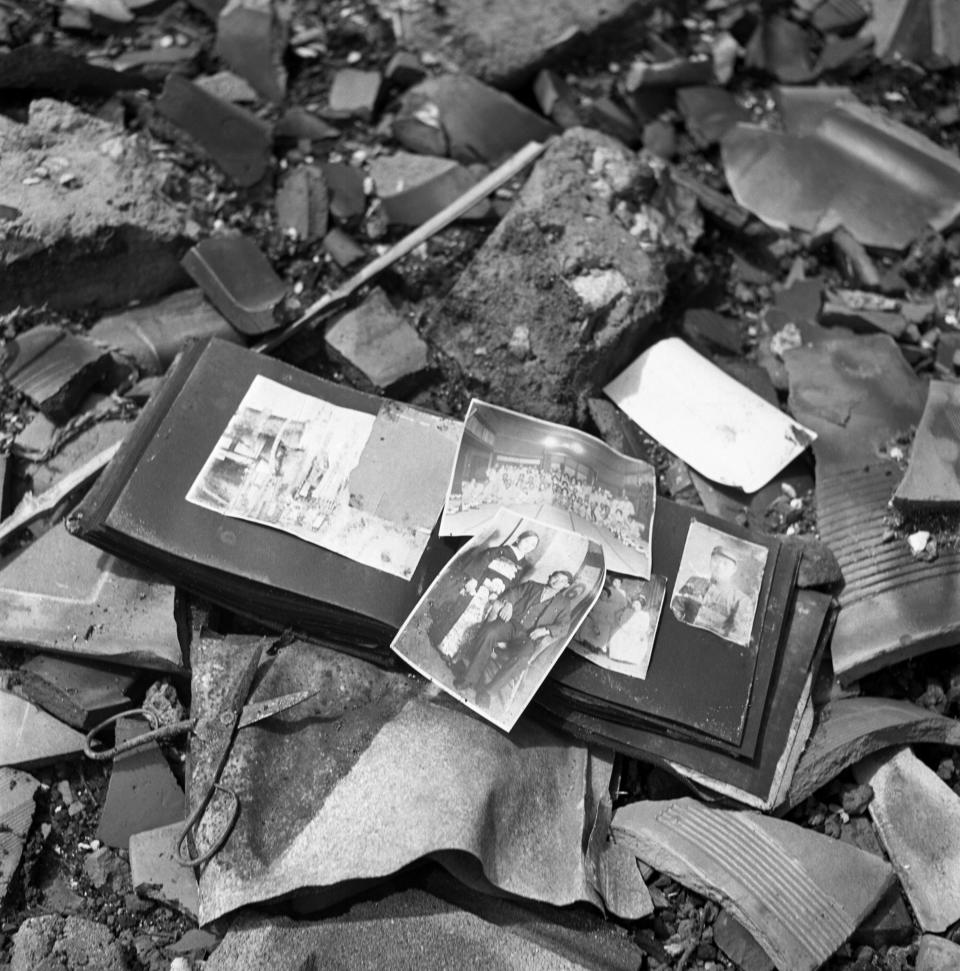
(298,463)
(555,474)
(494,622)
(718,583)
(618,634)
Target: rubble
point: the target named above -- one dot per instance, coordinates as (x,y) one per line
(588,289)
(239,281)
(104,237)
(143,792)
(237,140)
(456,115)
(916,815)
(778,896)
(74,943)
(29,736)
(16,816)
(504,44)
(153,335)
(376,340)
(251,39)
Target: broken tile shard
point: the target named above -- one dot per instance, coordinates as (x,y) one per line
(298,124)
(302,203)
(16,815)
(917,816)
(237,140)
(709,112)
(856,168)
(143,793)
(413,188)
(782,48)
(800,894)
(154,334)
(251,39)
(850,729)
(354,93)
(238,280)
(113,238)
(61,594)
(53,368)
(932,480)
(457,115)
(345,187)
(80,694)
(157,874)
(713,423)
(595,311)
(739,944)
(342,249)
(29,736)
(377,341)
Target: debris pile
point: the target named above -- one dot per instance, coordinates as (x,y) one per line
(480,483)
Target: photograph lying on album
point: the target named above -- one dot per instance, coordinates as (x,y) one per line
(494,622)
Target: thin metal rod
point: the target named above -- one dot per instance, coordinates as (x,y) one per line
(498,177)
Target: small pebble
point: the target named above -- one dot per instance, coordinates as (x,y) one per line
(918,541)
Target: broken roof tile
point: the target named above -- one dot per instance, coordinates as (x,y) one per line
(238,280)
(345,188)
(801,896)
(154,334)
(850,729)
(29,736)
(143,793)
(857,168)
(251,39)
(354,93)
(156,873)
(16,815)
(237,140)
(413,188)
(79,693)
(457,115)
(917,816)
(342,249)
(376,340)
(739,944)
(53,368)
(61,594)
(932,480)
(302,203)
(709,112)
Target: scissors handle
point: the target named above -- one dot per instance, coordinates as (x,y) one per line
(193,820)
(156,734)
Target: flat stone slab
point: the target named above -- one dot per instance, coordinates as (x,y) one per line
(505,43)
(95,229)
(564,263)
(800,894)
(917,816)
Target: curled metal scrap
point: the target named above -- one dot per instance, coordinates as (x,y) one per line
(884,182)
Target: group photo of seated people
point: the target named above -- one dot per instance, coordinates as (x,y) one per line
(510,484)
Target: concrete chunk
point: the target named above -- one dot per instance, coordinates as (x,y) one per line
(937,954)
(917,816)
(93,229)
(71,943)
(566,263)
(16,815)
(378,342)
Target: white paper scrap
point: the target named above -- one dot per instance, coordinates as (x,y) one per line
(711,421)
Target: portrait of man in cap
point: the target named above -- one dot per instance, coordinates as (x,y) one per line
(723,597)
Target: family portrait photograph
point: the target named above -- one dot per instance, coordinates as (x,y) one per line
(555,474)
(494,622)
(321,472)
(718,583)
(618,634)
